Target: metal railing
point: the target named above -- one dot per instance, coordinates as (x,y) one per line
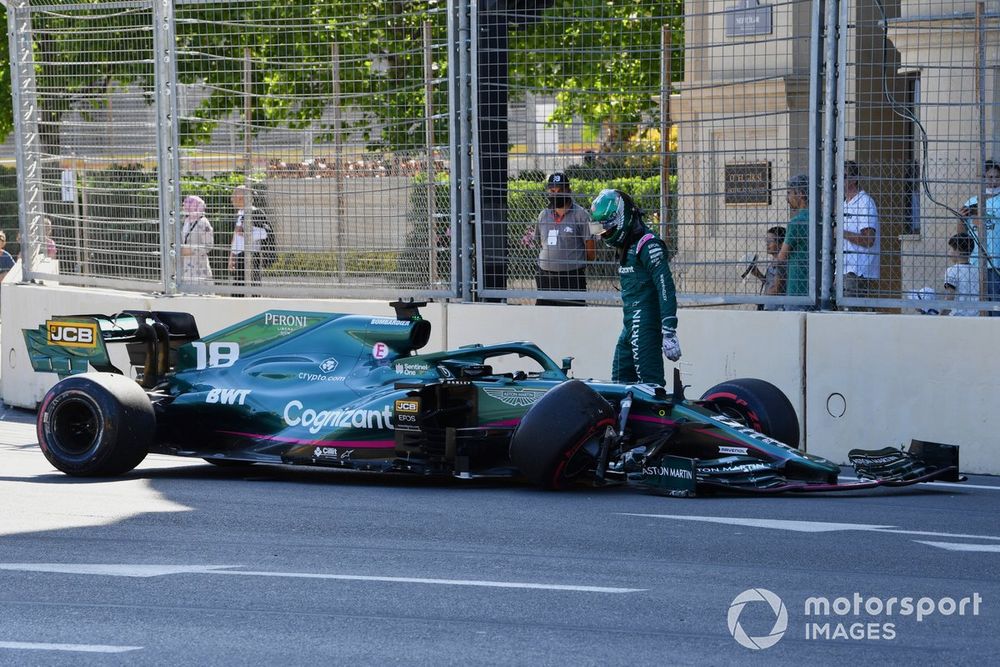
(403,150)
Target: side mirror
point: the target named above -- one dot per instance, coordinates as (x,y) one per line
(567,363)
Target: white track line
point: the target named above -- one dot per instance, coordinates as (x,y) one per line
(956,546)
(127,570)
(439,582)
(955,485)
(808,526)
(81,648)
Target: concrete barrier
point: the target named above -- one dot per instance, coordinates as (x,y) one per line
(881,380)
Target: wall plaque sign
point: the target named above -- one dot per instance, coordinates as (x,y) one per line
(748,183)
(748,17)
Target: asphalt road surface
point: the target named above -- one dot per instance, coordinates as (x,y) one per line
(181,562)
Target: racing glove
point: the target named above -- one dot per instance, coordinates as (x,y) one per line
(671,346)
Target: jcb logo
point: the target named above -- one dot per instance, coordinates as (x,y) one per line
(407,406)
(71,334)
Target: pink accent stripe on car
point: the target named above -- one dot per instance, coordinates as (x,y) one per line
(359,444)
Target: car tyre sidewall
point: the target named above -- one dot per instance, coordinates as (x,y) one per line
(95,425)
(554,430)
(759,405)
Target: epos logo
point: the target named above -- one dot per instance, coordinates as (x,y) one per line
(71,334)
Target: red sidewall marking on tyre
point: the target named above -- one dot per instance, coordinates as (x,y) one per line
(751,415)
(571,452)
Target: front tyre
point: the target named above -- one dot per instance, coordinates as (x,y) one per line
(96,425)
(558,439)
(757,404)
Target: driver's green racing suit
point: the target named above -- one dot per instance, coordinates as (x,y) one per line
(649,303)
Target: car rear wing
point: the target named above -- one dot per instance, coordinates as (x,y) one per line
(71,344)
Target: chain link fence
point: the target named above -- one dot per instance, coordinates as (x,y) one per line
(403,148)
(921,104)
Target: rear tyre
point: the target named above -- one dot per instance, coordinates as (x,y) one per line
(757,404)
(558,439)
(96,425)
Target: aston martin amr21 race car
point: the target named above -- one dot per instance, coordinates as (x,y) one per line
(352,392)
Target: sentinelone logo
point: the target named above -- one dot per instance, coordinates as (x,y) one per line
(856,617)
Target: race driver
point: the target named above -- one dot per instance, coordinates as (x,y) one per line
(648,299)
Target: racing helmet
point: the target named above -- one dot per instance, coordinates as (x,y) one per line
(614,214)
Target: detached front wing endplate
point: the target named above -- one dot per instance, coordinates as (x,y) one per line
(890,467)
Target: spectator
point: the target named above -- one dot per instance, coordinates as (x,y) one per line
(795,248)
(961,280)
(196,242)
(563,233)
(50,245)
(243,203)
(648,300)
(970,211)
(862,238)
(772,280)
(6,261)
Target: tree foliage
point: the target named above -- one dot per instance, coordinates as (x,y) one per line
(600,59)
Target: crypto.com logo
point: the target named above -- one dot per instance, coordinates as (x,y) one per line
(780,618)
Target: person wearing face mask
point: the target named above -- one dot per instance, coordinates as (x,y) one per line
(196,242)
(649,301)
(991,242)
(566,245)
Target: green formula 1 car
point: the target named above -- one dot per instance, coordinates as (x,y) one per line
(352,392)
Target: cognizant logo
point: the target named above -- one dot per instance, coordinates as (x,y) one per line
(770,601)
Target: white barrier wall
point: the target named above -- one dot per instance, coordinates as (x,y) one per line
(890,378)
(898,377)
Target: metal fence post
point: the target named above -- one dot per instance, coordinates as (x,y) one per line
(167,153)
(26,119)
(429,138)
(464,176)
(666,76)
(832,124)
(339,161)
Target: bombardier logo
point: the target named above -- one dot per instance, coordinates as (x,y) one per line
(71,334)
(517,398)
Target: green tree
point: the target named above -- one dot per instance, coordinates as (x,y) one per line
(601,59)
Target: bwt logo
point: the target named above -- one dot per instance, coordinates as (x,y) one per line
(71,334)
(777,607)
